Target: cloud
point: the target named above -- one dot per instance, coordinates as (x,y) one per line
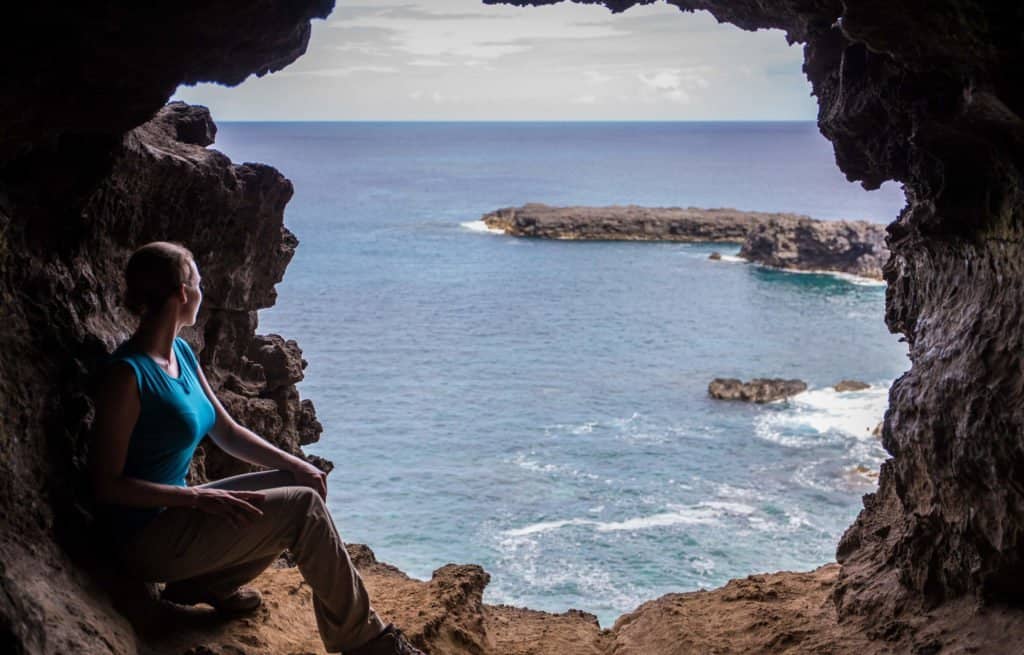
(488,33)
(676,84)
(432,63)
(339,72)
(386,60)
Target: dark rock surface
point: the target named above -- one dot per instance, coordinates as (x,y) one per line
(804,244)
(627,223)
(789,241)
(850,385)
(79,189)
(758,390)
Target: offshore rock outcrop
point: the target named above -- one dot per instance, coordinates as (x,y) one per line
(789,241)
(804,244)
(627,223)
(758,390)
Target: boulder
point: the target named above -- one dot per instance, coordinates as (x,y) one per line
(850,385)
(758,390)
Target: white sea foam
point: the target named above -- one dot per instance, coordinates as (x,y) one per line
(524,462)
(702,565)
(480,226)
(705,513)
(846,277)
(818,413)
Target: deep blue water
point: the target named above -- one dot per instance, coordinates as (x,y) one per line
(540,408)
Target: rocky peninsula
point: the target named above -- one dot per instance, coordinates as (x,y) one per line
(788,241)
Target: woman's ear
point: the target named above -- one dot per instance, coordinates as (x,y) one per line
(183,293)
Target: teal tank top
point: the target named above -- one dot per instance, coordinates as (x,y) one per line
(175,416)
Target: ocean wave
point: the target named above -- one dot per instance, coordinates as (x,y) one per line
(480,226)
(705,513)
(815,414)
(858,280)
(846,277)
(525,462)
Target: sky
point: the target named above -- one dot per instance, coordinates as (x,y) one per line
(463,60)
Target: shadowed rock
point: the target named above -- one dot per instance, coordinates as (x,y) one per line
(804,244)
(758,390)
(850,385)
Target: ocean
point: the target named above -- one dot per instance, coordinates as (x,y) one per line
(540,407)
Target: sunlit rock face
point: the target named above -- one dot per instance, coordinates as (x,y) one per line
(928,94)
(84,179)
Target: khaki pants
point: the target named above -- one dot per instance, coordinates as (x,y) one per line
(204,555)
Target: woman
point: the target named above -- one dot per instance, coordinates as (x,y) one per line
(153,407)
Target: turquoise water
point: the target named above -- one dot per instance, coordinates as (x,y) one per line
(541,408)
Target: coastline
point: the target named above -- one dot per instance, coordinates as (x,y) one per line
(482,227)
(792,242)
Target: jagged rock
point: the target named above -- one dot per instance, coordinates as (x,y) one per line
(850,385)
(444,615)
(627,223)
(854,247)
(79,190)
(715,256)
(789,241)
(758,390)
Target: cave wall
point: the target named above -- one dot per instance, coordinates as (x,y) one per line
(91,166)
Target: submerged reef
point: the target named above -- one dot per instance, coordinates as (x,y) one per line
(91,165)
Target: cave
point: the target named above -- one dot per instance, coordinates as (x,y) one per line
(93,163)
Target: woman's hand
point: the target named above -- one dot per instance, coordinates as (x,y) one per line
(310,476)
(239,507)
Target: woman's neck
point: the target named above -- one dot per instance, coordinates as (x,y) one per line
(155,335)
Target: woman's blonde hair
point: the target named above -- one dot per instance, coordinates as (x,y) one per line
(154,273)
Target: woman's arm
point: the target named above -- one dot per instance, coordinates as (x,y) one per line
(117,410)
(246,445)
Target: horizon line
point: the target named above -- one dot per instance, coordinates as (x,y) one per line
(516,120)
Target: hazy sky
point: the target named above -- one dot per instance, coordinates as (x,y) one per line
(463,60)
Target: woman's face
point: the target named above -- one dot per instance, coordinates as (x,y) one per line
(194,294)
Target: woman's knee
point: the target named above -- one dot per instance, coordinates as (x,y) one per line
(305,502)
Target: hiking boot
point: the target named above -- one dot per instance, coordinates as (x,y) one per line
(241,601)
(389,642)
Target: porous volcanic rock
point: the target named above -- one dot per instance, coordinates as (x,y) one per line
(758,390)
(850,385)
(445,615)
(804,244)
(627,223)
(789,241)
(157,187)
